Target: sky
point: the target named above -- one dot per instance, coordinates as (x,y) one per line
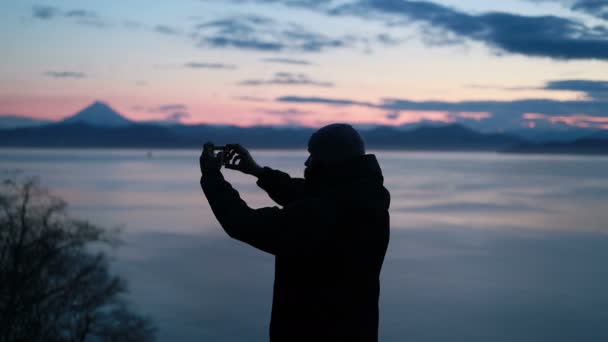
(493,65)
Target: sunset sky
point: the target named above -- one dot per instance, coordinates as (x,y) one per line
(496,65)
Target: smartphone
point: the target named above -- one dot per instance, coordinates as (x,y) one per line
(223,149)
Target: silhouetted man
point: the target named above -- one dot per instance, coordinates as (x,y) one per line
(329,237)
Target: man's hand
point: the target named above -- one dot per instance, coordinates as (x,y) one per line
(208,161)
(240,159)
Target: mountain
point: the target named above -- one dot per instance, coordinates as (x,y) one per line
(419,124)
(580,146)
(15,121)
(98,114)
(600,135)
(558,134)
(444,138)
(258,136)
(99,125)
(81,134)
(453,137)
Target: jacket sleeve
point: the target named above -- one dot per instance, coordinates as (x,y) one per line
(301,228)
(282,188)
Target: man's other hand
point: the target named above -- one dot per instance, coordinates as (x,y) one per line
(208,161)
(240,159)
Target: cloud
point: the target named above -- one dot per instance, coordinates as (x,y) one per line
(487,114)
(473,207)
(65,74)
(593,90)
(251,98)
(81,16)
(596,8)
(542,36)
(198,65)
(393,115)
(169,108)
(259,33)
(293,3)
(172,112)
(538,36)
(165,29)
(286,61)
(177,116)
(596,90)
(584,121)
(388,40)
(285,78)
(44,12)
(284,112)
(323,100)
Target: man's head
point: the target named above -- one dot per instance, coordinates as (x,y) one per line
(332,145)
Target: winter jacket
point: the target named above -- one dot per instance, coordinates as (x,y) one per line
(329,241)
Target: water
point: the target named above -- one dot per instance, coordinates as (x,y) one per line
(484,247)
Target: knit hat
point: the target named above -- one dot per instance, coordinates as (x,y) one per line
(336,143)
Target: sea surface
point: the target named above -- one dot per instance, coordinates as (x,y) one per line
(484,246)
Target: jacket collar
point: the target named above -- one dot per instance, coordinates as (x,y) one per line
(360,169)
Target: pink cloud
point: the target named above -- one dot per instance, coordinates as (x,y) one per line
(478,116)
(578,120)
(534,116)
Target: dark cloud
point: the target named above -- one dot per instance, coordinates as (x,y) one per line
(597,90)
(44,12)
(393,115)
(543,36)
(492,114)
(388,40)
(324,100)
(173,113)
(168,30)
(199,65)
(81,14)
(177,117)
(251,99)
(293,3)
(596,8)
(286,61)
(540,36)
(285,78)
(169,108)
(473,207)
(263,34)
(65,74)
(593,90)
(542,106)
(284,112)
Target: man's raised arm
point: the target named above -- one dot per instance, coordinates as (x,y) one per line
(298,229)
(279,185)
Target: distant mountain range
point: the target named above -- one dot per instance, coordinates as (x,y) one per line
(15,121)
(98,125)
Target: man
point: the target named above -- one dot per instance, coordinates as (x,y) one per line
(329,238)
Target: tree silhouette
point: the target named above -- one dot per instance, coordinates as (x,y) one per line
(55,283)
